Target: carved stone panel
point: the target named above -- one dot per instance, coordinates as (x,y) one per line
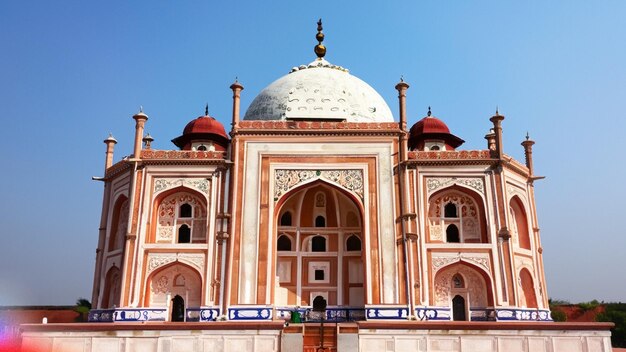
(285,180)
(435,183)
(199,184)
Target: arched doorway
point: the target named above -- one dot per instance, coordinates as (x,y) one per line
(458,308)
(319,248)
(178,309)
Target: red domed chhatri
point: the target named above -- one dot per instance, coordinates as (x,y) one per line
(432,128)
(203,128)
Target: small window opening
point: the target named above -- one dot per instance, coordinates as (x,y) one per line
(457,281)
(285,220)
(320,221)
(353,243)
(318,244)
(452,234)
(185,211)
(201,148)
(434,147)
(179,280)
(283,243)
(319,275)
(449,210)
(184,234)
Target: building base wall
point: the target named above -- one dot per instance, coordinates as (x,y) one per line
(152,337)
(484,337)
(359,337)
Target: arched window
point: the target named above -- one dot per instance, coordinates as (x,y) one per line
(283,243)
(185,211)
(450,211)
(320,221)
(457,281)
(285,220)
(434,147)
(201,148)
(179,280)
(353,243)
(318,244)
(452,234)
(184,234)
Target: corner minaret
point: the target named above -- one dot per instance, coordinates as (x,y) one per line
(110,142)
(140,121)
(528,153)
(237,88)
(497,128)
(402,87)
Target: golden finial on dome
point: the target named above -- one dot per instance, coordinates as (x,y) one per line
(320,49)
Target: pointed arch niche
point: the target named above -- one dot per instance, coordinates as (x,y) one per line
(528,298)
(466,283)
(112,288)
(179,216)
(456,215)
(329,257)
(119,223)
(519,223)
(174,279)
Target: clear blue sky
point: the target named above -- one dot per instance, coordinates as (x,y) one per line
(73,71)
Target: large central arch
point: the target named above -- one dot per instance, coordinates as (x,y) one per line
(318,247)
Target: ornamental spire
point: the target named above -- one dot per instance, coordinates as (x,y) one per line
(320,49)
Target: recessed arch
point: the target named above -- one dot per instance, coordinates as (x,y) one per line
(470,219)
(119,223)
(163,281)
(519,223)
(477,282)
(166,220)
(528,297)
(319,252)
(112,288)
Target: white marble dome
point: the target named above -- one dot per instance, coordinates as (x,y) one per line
(319,90)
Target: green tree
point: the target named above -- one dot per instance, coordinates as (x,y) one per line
(615,313)
(82,307)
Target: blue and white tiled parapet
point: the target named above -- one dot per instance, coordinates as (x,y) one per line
(250,313)
(386,313)
(523,314)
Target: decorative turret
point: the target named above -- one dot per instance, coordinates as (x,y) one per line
(430,133)
(147,141)
(203,133)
